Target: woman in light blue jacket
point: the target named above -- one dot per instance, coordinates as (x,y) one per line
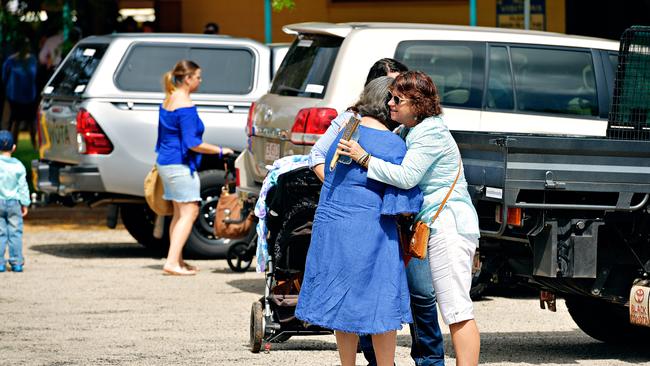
(432,162)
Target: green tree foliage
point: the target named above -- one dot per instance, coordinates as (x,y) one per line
(279,5)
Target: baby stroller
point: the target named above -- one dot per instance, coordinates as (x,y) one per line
(291,205)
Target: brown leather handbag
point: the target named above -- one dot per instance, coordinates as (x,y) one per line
(232,220)
(416,244)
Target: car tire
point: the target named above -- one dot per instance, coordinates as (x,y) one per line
(605,321)
(138,219)
(202,242)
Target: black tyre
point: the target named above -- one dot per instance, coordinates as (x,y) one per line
(256,327)
(138,219)
(202,242)
(605,321)
(238,258)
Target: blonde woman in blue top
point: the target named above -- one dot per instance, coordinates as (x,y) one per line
(431,163)
(179,148)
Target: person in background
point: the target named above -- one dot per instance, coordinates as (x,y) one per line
(211,28)
(179,148)
(355,281)
(148,27)
(427,346)
(19,76)
(50,54)
(14,203)
(433,163)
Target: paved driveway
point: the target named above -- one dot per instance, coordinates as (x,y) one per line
(95,297)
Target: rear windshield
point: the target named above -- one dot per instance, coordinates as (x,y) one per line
(72,77)
(307,66)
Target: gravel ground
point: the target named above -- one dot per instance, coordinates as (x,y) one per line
(93,296)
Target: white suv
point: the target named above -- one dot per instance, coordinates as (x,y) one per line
(489,80)
(99,116)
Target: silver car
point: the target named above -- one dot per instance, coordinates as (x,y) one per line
(99,115)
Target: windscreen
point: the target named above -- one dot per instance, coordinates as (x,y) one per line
(73,76)
(307,66)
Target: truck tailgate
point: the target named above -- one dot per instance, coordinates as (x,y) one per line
(58,126)
(501,166)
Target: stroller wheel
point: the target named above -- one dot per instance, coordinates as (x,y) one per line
(238,258)
(257,327)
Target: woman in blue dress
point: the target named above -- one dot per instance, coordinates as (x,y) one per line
(355,282)
(179,147)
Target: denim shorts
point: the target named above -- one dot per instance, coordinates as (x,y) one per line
(179,185)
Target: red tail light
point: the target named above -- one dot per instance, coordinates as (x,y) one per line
(250,129)
(310,124)
(90,137)
(237,177)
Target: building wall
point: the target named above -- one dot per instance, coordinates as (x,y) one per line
(245,18)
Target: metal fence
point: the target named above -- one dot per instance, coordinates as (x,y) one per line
(629,118)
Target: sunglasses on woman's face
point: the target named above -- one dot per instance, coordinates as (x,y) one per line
(397,100)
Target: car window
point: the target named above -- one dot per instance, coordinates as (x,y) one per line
(306,69)
(613,60)
(75,73)
(456,68)
(499,93)
(224,70)
(554,81)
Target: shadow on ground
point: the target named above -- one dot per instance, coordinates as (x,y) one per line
(567,347)
(536,348)
(252,285)
(95,250)
(304,343)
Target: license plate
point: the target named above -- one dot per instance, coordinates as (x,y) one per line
(639,303)
(271,151)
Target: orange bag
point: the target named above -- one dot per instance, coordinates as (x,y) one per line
(415,244)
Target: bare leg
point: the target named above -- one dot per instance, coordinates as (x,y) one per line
(384,345)
(185,214)
(467,342)
(347,345)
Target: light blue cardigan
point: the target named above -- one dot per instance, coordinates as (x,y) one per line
(431,162)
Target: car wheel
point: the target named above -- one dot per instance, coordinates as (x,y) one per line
(138,219)
(202,242)
(605,321)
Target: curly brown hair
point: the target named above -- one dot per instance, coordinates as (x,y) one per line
(420,89)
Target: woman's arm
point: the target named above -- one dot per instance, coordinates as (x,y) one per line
(205,148)
(423,148)
(319,150)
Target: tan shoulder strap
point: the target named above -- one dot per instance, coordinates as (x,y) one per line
(442,205)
